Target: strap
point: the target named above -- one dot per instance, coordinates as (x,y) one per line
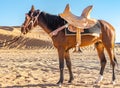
(78,39)
(55,32)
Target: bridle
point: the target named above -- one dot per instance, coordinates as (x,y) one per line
(32,21)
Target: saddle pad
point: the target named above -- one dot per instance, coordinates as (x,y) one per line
(96,29)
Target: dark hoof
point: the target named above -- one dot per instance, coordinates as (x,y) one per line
(59,84)
(70,81)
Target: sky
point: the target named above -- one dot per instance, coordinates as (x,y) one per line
(12,12)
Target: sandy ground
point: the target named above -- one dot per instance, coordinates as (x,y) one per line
(29,65)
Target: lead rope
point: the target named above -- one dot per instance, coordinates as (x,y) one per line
(9,42)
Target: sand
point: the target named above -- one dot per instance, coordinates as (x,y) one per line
(32,62)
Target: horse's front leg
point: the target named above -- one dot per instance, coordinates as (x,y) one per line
(61,65)
(68,63)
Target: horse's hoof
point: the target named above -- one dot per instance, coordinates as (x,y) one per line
(59,82)
(60,85)
(113,82)
(99,80)
(70,81)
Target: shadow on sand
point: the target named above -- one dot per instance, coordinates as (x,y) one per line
(33,85)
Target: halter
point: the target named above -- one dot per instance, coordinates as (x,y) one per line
(32,21)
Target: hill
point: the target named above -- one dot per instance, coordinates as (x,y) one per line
(37,38)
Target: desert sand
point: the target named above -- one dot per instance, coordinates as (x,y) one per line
(32,62)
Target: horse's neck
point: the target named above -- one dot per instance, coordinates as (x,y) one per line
(42,23)
(49,22)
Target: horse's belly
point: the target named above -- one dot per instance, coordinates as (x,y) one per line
(88,40)
(85,40)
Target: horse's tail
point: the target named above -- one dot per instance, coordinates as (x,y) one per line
(105,26)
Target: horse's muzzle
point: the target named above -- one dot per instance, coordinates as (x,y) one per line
(23,29)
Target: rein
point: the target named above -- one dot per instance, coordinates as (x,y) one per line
(9,42)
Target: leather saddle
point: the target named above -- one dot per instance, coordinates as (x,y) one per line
(83,22)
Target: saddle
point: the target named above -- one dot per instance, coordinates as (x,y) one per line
(78,24)
(82,22)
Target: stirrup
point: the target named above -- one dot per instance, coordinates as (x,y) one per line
(77,49)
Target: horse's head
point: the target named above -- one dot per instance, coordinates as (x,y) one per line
(31,20)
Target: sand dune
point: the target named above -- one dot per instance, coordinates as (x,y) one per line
(32,62)
(36,39)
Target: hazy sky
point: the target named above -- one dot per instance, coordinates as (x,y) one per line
(12,12)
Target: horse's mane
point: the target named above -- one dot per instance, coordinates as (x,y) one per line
(52,21)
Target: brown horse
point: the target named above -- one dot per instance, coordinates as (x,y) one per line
(63,43)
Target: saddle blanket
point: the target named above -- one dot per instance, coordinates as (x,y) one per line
(95,31)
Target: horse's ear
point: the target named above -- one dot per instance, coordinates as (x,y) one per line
(32,8)
(86,11)
(67,8)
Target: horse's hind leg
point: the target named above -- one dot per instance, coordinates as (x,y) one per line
(68,63)
(113,61)
(108,39)
(100,49)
